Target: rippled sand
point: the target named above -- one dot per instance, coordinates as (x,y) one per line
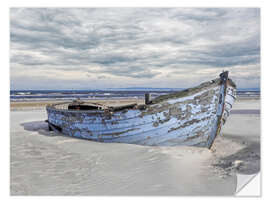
(44,163)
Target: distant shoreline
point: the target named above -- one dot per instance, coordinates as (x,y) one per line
(18,105)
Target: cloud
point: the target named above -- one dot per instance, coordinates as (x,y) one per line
(129,45)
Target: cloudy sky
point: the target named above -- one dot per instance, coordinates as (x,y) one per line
(132,47)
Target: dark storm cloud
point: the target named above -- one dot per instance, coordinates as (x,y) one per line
(133,43)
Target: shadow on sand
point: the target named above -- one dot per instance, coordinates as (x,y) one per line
(39,126)
(42,128)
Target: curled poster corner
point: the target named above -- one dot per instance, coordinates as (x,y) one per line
(248,185)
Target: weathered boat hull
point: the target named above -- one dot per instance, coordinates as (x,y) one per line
(191,117)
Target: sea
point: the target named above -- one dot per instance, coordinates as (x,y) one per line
(112,93)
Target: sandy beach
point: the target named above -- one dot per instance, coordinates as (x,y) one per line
(44,163)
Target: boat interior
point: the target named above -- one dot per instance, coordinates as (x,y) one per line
(78,105)
(96,106)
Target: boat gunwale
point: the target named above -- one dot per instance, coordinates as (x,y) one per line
(198,88)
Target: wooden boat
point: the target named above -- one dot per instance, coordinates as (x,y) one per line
(193,116)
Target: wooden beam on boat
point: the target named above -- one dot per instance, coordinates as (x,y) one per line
(147,98)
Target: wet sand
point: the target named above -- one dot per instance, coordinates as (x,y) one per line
(44,163)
